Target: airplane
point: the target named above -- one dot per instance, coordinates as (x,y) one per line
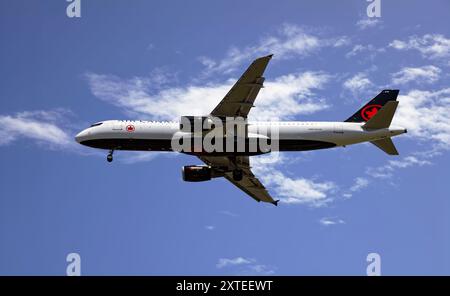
(371,123)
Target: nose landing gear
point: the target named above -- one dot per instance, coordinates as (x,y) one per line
(109,158)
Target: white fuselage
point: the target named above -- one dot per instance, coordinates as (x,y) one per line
(293,135)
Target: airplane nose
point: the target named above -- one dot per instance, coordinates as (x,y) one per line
(78,137)
(81,136)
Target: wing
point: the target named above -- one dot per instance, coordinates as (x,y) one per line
(249,183)
(239,100)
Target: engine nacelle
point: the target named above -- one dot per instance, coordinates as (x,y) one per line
(196,173)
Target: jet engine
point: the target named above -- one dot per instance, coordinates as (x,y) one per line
(197,173)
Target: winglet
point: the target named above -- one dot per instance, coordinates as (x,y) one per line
(275,202)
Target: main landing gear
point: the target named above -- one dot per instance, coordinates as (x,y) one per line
(109,158)
(237,175)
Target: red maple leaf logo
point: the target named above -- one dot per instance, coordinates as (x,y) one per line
(369,111)
(130,128)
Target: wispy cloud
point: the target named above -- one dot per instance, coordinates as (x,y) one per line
(359,48)
(225,262)
(210,227)
(245,266)
(329,221)
(160,77)
(132,157)
(367,22)
(357,84)
(425,74)
(228,213)
(283,97)
(259,269)
(291,190)
(386,171)
(287,42)
(425,114)
(359,184)
(369,51)
(43,127)
(431,46)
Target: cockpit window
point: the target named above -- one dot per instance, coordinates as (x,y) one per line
(97,124)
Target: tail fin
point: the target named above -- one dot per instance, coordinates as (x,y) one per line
(383,117)
(371,108)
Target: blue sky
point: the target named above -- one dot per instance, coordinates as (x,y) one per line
(160,59)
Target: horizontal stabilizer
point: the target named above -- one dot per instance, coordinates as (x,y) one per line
(386,145)
(383,117)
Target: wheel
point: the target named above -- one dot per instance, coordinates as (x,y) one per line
(109,158)
(237,175)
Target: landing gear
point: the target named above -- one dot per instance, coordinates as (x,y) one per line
(109,158)
(237,175)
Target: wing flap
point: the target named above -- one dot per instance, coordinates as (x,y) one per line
(249,183)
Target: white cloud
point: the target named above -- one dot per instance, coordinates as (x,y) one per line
(369,51)
(225,262)
(386,171)
(359,184)
(426,115)
(299,190)
(291,190)
(347,195)
(160,77)
(207,62)
(245,266)
(407,161)
(228,213)
(358,48)
(289,41)
(210,227)
(260,269)
(41,126)
(136,96)
(368,23)
(357,84)
(425,74)
(329,221)
(284,96)
(132,157)
(432,46)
